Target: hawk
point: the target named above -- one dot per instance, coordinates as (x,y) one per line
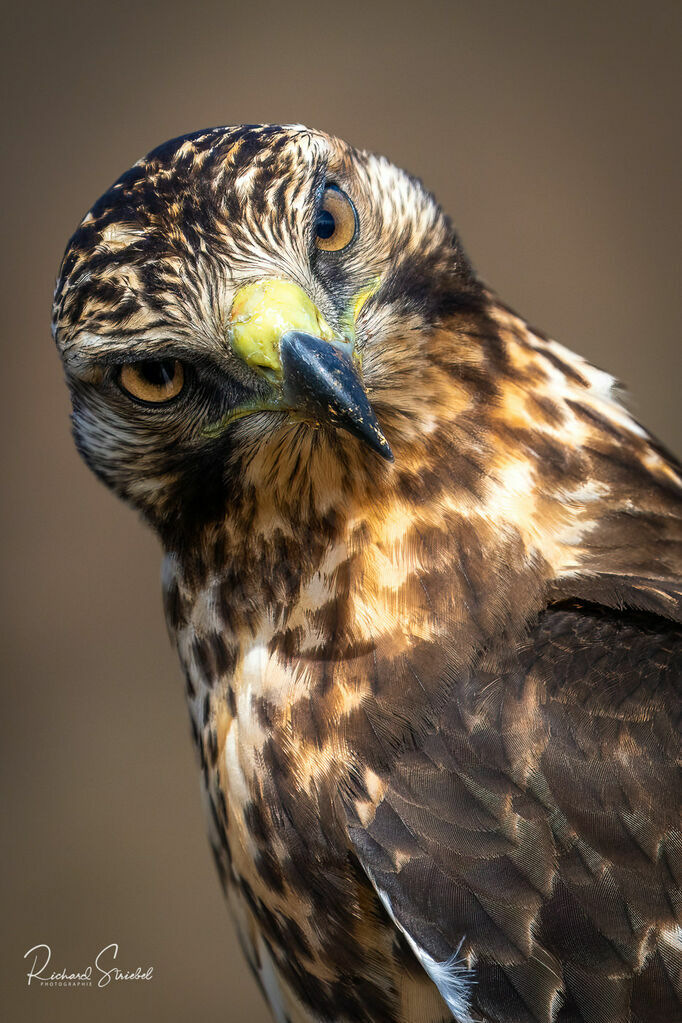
(423,571)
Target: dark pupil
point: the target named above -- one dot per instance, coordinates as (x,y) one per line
(325,224)
(157,372)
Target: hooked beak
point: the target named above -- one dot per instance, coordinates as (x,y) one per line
(278,332)
(322,380)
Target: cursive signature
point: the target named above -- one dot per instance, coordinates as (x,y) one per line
(102,971)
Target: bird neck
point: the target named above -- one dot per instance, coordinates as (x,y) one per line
(376,578)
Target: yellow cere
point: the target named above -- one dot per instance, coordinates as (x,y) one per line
(350,317)
(364,296)
(265,310)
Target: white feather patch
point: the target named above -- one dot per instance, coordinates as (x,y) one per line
(451,977)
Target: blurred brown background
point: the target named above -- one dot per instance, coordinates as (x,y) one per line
(551,134)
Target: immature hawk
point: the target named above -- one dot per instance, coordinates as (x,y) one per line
(424,575)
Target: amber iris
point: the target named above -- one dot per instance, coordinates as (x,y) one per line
(336,222)
(154,381)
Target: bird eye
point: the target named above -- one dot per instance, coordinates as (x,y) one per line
(337,221)
(155,381)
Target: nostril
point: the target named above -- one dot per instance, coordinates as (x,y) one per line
(262,312)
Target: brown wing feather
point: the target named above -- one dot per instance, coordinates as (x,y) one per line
(539,824)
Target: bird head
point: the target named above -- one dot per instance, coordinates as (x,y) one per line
(253,307)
